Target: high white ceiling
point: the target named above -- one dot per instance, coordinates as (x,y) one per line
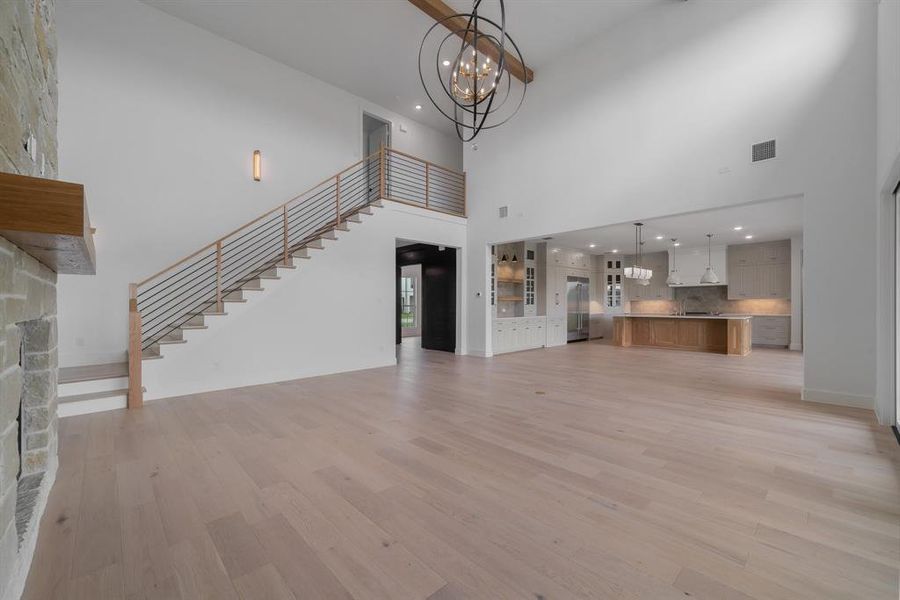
(370,47)
(765,221)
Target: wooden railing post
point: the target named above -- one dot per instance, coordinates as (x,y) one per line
(426,185)
(135,386)
(285,234)
(219,277)
(382,165)
(337,200)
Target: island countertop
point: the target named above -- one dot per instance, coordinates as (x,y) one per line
(664,316)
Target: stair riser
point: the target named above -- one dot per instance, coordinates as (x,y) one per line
(89,387)
(71,409)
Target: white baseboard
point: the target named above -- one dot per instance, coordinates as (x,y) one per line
(480,353)
(796,347)
(838,398)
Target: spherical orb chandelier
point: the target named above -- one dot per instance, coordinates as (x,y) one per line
(470,83)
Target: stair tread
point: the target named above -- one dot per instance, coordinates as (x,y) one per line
(194,327)
(93,396)
(92,372)
(175,341)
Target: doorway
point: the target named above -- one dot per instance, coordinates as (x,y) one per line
(376,133)
(410,301)
(428,310)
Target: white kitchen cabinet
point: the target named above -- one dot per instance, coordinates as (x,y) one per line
(771,331)
(775,252)
(519,333)
(556,334)
(759,271)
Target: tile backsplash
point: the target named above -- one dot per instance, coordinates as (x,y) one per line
(711,299)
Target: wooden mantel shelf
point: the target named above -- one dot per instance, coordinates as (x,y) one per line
(48,219)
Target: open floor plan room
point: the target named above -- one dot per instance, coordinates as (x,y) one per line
(450,477)
(449,299)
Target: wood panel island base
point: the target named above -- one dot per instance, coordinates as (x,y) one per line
(701,333)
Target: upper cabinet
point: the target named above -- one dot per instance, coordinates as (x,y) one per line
(759,270)
(564,257)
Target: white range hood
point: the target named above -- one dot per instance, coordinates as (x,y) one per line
(691,263)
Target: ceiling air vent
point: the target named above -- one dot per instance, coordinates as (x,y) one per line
(763,150)
(504,211)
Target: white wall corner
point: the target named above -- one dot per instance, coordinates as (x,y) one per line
(837,398)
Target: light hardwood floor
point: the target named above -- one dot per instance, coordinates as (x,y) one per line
(586,471)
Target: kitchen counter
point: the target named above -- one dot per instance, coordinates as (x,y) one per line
(722,334)
(664,316)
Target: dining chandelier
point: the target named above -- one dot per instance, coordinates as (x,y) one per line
(636,271)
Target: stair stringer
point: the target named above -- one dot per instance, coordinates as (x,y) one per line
(335,313)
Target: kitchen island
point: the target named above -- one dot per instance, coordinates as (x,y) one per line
(723,334)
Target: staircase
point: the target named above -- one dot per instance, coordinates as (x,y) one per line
(235,268)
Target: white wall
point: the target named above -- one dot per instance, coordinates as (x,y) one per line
(159,119)
(888,174)
(336,312)
(657,118)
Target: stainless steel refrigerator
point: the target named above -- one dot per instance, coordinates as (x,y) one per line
(577,306)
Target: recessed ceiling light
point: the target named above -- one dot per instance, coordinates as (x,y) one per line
(592,245)
(616,251)
(418,107)
(739,227)
(659,237)
(446,63)
(677,244)
(748,237)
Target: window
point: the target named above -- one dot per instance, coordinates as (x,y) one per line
(529,286)
(408,302)
(613,284)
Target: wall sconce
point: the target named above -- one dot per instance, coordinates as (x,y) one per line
(257,166)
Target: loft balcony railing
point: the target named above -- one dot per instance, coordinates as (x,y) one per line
(198,284)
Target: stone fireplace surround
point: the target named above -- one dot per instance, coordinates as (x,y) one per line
(28,373)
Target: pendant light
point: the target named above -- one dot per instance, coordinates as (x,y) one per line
(503,259)
(514,259)
(709,276)
(674,278)
(636,271)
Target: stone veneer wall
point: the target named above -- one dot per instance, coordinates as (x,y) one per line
(28,363)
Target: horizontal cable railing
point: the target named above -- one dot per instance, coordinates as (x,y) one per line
(418,182)
(201,282)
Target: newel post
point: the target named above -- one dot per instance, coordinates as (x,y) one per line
(135,385)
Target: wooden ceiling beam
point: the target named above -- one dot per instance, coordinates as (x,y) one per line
(439,11)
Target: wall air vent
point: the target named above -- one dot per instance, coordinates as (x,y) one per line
(504,211)
(763,151)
